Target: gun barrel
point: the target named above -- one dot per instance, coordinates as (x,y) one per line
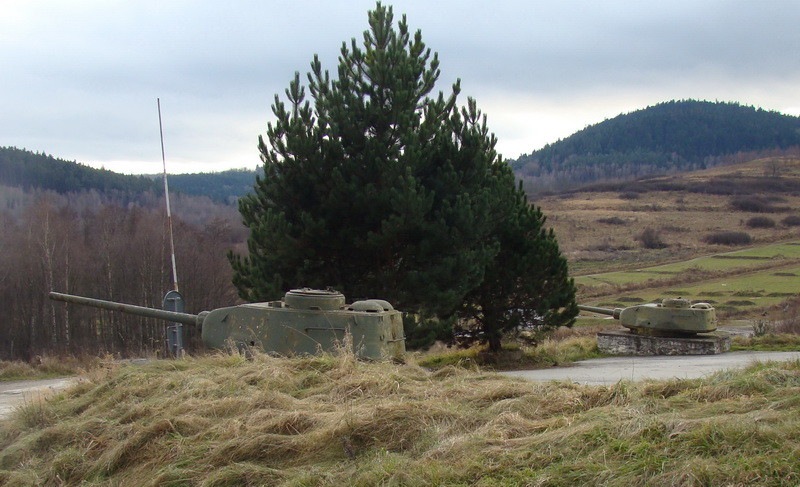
(184,318)
(603,311)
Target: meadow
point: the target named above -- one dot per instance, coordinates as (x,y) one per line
(225,420)
(646,241)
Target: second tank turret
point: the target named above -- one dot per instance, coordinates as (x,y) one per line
(671,317)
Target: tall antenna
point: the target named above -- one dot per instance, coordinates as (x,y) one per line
(166,196)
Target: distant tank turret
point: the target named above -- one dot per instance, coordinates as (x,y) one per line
(671,317)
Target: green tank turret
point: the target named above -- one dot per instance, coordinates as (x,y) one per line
(671,317)
(305,322)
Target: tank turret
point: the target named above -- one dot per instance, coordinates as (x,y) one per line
(306,321)
(669,318)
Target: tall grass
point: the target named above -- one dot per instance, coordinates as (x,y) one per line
(333,420)
(47,367)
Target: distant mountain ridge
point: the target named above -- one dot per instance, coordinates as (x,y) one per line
(33,170)
(222,187)
(669,137)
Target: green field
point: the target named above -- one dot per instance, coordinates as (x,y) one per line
(735,281)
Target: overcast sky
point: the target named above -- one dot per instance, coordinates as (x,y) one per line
(79,79)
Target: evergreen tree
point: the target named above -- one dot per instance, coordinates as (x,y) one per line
(526,287)
(376,189)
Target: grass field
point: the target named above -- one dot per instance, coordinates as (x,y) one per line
(600,233)
(744,294)
(225,420)
(598,230)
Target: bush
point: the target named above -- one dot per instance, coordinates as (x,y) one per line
(791,221)
(614,220)
(629,195)
(752,204)
(760,222)
(651,239)
(729,238)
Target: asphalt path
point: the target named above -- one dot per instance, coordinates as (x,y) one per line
(17,393)
(607,371)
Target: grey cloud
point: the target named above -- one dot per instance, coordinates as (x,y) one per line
(84,76)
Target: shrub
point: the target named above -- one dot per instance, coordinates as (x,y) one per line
(753,204)
(729,238)
(614,220)
(791,221)
(760,222)
(762,328)
(629,195)
(606,245)
(651,239)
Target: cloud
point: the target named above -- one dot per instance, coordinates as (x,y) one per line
(82,77)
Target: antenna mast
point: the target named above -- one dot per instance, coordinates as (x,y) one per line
(166,196)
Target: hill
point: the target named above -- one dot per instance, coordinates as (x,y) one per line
(666,138)
(33,170)
(601,226)
(222,187)
(728,235)
(20,168)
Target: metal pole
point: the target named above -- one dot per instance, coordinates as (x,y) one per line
(166,196)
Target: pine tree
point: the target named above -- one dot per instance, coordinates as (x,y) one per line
(526,287)
(374,187)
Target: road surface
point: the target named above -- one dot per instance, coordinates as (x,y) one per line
(16,393)
(607,371)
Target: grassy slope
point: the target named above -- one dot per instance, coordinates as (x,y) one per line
(612,268)
(225,420)
(683,219)
(741,281)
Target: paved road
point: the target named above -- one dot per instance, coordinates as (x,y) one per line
(607,371)
(15,393)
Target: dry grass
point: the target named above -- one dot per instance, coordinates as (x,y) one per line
(560,346)
(682,219)
(48,367)
(598,231)
(332,420)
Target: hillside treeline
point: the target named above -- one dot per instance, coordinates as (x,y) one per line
(33,170)
(222,187)
(83,243)
(670,137)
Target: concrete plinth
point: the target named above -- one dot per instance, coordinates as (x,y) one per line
(623,342)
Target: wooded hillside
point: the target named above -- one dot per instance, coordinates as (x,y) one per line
(36,170)
(666,138)
(71,228)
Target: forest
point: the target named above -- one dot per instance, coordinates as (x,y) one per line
(37,170)
(670,137)
(110,247)
(34,170)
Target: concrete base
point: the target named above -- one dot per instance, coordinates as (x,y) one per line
(623,342)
